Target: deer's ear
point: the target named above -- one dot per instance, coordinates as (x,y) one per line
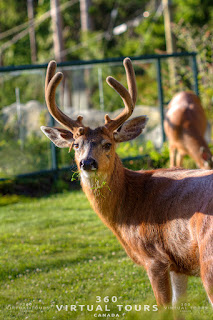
(130,129)
(62,138)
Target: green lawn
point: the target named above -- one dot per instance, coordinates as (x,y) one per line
(55,252)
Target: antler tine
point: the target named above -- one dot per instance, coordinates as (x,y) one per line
(128,97)
(51,83)
(131,81)
(50,73)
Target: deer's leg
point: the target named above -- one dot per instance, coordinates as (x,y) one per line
(207,277)
(179,285)
(206,258)
(172,154)
(160,281)
(179,159)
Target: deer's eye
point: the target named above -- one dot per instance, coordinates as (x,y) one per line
(76,146)
(107,146)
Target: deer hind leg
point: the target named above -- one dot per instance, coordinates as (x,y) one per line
(207,277)
(179,159)
(206,257)
(172,156)
(160,281)
(179,286)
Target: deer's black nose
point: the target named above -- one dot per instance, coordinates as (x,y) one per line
(88,164)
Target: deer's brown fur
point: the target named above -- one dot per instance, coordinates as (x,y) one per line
(163,218)
(185,125)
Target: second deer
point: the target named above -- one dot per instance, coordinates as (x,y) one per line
(185,125)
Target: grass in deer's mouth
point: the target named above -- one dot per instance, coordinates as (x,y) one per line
(56,251)
(75,176)
(98,182)
(98,185)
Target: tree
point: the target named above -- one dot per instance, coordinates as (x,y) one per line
(86,21)
(57,31)
(147,37)
(15,14)
(30,11)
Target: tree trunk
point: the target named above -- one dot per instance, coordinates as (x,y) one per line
(59,50)
(30,12)
(86,21)
(170,38)
(57,31)
(86,26)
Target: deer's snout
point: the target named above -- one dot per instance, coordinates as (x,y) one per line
(88,164)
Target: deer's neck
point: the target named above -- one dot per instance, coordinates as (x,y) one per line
(105,192)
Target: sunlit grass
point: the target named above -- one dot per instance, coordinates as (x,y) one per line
(55,251)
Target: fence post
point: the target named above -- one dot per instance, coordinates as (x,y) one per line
(54,162)
(160,96)
(195,74)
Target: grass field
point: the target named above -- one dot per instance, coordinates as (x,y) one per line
(55,252)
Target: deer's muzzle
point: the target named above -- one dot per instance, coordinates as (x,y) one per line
(88,164)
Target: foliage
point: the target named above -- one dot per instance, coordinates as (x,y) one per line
(14,14)
(38,185)
(151,36)
(184,78)
(195,13)
(146,85)
(147,37)
(56,251)
(159,158)
(23,153)
(146,155)
(22,157)
(30,85)
(129,149)
(199,39)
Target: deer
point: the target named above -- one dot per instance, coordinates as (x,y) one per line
(163,218)
(185,125)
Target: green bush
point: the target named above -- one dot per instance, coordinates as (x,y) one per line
(149,156)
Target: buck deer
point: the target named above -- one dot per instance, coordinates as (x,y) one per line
(185,125)
(162,218)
